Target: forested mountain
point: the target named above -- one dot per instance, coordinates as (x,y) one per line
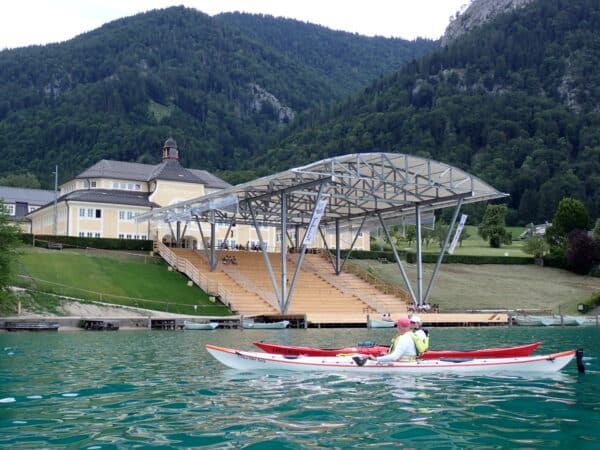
(222,87)
(353,62)
(515,101)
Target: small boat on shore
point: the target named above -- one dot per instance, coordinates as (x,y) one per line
(376,350)
(251,361)
(374,323)
(589,320)
(250,324)
(200,325)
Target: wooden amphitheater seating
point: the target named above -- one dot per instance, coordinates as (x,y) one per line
(314,294)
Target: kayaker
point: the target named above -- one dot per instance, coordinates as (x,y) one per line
(420,335)
(403,346)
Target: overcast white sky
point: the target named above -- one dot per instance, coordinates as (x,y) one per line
(29,22)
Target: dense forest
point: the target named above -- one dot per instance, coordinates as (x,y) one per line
(515,101)
(222,87)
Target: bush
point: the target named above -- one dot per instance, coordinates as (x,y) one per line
(592,303)
(556,260)
(85,242)
(583,252)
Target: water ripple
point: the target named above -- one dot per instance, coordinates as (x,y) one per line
(139,389)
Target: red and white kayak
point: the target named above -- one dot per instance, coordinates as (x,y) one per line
(250,361)
(376,350)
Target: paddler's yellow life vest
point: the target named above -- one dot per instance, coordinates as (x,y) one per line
(421,344)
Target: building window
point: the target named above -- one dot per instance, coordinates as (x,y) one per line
(130,215)
(121,215)
(81,212)
(93,184)
(98,214)
(115,185)
(121,236)
(128,236)
(31,208)
(90,234)
(81,234)
(97,234)
(9,209)
(90,212)
(138,187)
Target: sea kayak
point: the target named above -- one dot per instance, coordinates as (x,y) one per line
(376,350)
(251,361)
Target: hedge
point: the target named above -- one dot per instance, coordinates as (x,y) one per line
(432,258)
(366,254)
(85,242)
(472,259)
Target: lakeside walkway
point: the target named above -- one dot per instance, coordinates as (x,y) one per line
(314,320)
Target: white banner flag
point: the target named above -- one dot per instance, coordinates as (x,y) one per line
(314,222)
(459,229)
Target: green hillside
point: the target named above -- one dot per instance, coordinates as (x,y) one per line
(221,90)
(112,277)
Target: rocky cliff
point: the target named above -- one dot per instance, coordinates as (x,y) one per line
(479,12)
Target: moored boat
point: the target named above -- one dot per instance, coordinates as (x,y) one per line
(245,360)
(250,324)
(200,325)
(374,323)
(548,321)
(500,352)
(588,320)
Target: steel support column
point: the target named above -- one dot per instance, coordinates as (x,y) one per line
(398,261)
(284,250)
(213,256)
(419,257)
(266,257)
(338,250)
(204,247)
(353,242)
(442,251)
(300,259)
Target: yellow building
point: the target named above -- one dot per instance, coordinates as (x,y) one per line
(103,201)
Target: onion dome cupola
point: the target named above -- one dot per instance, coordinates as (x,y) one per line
(170,150)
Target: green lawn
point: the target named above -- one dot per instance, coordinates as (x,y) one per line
(145,283)
(476,246)
(461,287)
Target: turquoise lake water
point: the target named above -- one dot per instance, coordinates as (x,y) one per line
(161,389)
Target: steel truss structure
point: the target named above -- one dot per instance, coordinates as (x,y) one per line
(343,192)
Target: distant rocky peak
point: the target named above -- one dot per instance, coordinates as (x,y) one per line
(261,98)
(478,13)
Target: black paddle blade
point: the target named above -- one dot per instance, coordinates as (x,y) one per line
(579,357)
(359,360)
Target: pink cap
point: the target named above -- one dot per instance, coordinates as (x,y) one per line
(403,322)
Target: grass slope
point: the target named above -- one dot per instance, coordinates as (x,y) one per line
(112,277)
(461,287)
